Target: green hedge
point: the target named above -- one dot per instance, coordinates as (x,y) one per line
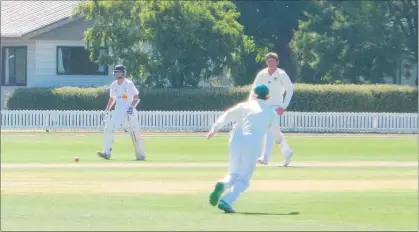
(308,98)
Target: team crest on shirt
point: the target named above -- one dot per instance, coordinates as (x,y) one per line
(125,95)
(276,78)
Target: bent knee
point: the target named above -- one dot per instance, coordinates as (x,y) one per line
(244,181)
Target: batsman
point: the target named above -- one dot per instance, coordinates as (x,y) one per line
(253,119)
(124,93)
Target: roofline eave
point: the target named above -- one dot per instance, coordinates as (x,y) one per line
(49,27)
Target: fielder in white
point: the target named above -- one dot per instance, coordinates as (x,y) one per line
(278,83)
(124,93)
(252,120)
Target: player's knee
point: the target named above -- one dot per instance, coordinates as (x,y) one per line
(243,181)
(109,127)
(133,126)
(135,130)
(279,140)
(234,177)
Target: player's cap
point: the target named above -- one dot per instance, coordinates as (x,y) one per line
(261,91)
(119,68)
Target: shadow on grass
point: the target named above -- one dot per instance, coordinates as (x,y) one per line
(269,214)
(292,167)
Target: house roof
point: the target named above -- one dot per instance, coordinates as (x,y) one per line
(19,18)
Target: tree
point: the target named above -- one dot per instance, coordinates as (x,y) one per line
(404,14)
(117,27)
(271,24)
(349,41)
(188,40)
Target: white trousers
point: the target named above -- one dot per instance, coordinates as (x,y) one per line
(269,143)
(244,151)
(268,146)
(130,122)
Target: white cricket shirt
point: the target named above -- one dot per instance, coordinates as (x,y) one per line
(278,83)
(254,118)
(123,94)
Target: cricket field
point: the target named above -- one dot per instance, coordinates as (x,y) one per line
(341,182)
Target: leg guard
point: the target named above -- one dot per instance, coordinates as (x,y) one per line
(134,132)
(108,136)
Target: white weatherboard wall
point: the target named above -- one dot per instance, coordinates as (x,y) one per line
(46,68)
(202,121)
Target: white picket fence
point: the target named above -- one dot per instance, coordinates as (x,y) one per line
(202,120)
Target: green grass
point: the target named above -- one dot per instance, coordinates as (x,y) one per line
(188,174)
(362,210)
(61,148)
(317,211)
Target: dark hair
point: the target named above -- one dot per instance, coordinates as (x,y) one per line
(271,55)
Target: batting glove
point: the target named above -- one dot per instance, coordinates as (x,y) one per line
(105,114)
(130,110)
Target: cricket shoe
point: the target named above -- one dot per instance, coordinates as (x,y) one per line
(288,155)
(225,207)
(103,155)
(216,193)
(141,158)
(262,161)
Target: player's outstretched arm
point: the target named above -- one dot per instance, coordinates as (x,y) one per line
(230,115)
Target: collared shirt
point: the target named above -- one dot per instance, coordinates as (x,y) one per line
(123,93)
(278,83)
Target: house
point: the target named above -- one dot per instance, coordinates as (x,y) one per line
(42,46)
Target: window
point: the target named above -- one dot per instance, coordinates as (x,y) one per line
(13,63)
(75,61)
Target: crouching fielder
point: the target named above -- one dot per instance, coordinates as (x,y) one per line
(124,93)
(252,120)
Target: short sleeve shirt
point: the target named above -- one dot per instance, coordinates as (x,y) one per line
(123,94)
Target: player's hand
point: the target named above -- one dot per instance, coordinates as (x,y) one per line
(280,111)
(105,114)
(130,110)
(210,134)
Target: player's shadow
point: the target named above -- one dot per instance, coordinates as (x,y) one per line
(292,167)
(268,214)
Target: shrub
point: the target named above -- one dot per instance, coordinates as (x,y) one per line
(307,98)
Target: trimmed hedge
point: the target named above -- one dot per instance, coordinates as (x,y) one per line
(307,98)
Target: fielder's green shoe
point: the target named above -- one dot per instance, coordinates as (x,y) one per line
(225,207)
(103,155)
(216,194)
